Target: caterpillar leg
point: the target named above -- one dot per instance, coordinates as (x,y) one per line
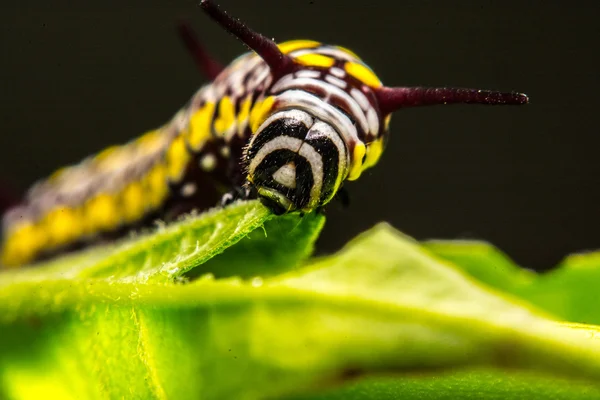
(205,63)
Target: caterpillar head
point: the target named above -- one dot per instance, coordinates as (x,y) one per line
(326,126)
(295,161)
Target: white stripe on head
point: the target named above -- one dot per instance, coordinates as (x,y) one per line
(360,98)
(300,99)
(298,115)
(337,72)
(280,142)
(289,82)
(373,121)
(322,129)
(336,81)
(365,104)
(316,166)
(308,73)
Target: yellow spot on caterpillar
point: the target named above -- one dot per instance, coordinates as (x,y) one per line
(101,213)
(177,158)
(374,150)
(260,112)
(155,183)
(199,129)
(315,60)
(348,51)
(22,244)
(226,116)
(357,158)
(253,113)
(133,206)
(244,114)
(292,45)
(362,73)
(62,225)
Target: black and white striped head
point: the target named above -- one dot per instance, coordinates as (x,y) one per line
(295,161)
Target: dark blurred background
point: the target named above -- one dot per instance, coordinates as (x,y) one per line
(77,77)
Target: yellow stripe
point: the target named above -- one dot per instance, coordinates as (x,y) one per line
(22,244)
(292,45)
(199,128)
(315,60)
(244,113)
(374,150)
(133,202)
(155,183)
(177,158)
(260,112)
(226,116)
(101,213)
(356,163)
(362,73)
(62,225)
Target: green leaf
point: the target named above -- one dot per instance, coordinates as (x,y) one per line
(169,255)
(134,321)
(479,384)
(283,244)
(569,291)
(484,262)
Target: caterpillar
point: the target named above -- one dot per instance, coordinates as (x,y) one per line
(286,123)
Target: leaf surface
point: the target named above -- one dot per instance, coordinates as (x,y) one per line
(135,320)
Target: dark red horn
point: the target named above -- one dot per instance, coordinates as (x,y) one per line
(392,99)
(279,63)
(206,64)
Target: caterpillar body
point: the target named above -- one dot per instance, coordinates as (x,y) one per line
(286,123)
